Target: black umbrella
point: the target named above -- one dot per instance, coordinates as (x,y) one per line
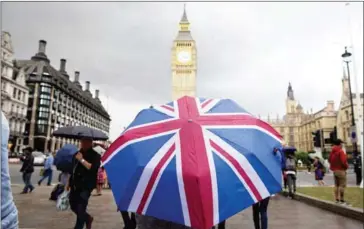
(79,132)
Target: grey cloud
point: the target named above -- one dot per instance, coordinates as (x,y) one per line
(246,51)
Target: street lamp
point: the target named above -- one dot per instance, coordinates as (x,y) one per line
(347,59)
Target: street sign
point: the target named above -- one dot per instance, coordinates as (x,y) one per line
(353,137)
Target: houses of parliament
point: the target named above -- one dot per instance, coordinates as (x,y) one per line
(296,126)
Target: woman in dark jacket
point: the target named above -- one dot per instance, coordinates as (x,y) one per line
(27,169)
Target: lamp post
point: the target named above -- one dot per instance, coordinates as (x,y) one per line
(346,57)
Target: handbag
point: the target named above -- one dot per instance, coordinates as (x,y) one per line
(63,202)
(41,172)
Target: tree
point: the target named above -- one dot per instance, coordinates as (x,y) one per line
(303,156)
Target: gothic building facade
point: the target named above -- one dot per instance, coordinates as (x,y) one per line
(14,94)
(184,61)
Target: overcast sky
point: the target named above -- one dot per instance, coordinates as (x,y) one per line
(246,51)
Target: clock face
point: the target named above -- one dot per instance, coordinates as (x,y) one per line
(183,56)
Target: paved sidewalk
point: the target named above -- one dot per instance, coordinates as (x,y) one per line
(37,212)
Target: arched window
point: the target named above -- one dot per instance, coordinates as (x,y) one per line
(347,115)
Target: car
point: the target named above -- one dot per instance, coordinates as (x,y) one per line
(39,158)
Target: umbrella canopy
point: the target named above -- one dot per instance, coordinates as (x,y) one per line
(79,132)
(63,158)
(193,161)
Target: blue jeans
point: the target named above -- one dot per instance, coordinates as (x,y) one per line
(27,179)
(260,209)
(47,173)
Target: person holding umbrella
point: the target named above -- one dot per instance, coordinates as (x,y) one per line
(82,181)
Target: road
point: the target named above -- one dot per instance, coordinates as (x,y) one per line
(304,179)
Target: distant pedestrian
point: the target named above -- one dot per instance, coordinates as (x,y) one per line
(100,180)
(319,171)
(48,172)
(339,165)
(358,168)
(27,169)
(260,215)
(9,212)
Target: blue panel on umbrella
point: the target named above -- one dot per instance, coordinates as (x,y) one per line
(167,204)
(232,193)
(121,170)
(202,100)
(170,104)
(248,142)
(227,106)
(147,116)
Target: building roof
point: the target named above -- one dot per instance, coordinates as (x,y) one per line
(38,68)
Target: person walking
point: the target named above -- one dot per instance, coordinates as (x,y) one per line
(100,180)
(82,181)
(339,165)
(291,171)
(48,172)
(319,171)
(260,215)
(27,169)
(9,212)
(358,168)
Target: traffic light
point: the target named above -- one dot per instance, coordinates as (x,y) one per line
(317,138)
(333,135)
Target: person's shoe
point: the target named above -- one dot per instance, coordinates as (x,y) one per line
(39,183)
(337,201)
(89,222)
(23,192)
(31,190)
(344,203)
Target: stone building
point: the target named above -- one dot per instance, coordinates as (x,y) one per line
(184,61)
(343,121)
(297,126)
(14,94)
(56,101)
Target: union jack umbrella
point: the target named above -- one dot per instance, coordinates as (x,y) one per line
(194,162)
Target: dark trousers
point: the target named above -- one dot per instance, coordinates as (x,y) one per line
(78,202)
(129,221)
(220,225)
(260,215)
(358,175)
(27,179)
(47,173)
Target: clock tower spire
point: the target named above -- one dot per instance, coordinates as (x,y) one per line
(184,64)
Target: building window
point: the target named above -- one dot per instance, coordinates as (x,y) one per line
(14,93)
(43,114)
(19,94)
(46,89)
(45,102)
(3,86)
(347,115)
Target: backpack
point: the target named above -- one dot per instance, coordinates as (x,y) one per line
(290,164)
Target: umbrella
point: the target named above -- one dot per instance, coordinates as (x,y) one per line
(64,156)
(78,132)
(194,162)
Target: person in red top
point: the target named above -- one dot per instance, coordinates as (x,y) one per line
(339,165)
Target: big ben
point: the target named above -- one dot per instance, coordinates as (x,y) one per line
(184,64)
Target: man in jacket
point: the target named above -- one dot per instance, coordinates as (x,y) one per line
(82,181)
(48,172)
(9,212)
(27,169)
(339,165)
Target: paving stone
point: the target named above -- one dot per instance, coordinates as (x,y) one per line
(37,212)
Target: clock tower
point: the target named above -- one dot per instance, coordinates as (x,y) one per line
(184,61)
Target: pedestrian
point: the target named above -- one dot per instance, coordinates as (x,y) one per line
(82,181)
(260,215)
(339,165)
(48,172)
(27,169)
(291,171)
(9,212)
(149,222)
(129,220)
(357,168)
(100,180)
(319,171)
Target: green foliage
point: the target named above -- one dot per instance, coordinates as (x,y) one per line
(303,156)
(325,154)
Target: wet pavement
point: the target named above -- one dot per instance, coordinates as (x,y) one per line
(36,211)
